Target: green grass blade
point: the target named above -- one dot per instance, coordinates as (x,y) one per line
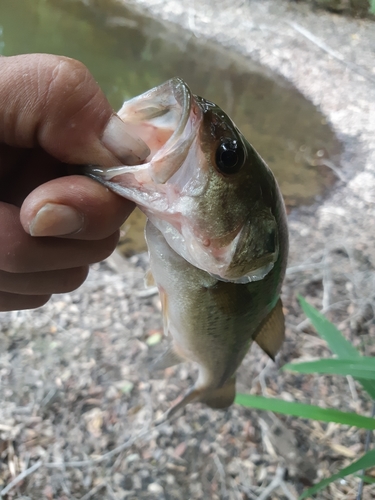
(366,479)
(327,330)
(365,462)
(305,411)
(336,341)
(363,367)
(372,6)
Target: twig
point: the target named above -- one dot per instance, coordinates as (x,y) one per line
(98,460)
(367,446)
(304,267)
(336,55)
(327,282)
(306,322)
(20,478)
(329,164)
(93,461)
(110,492)
(264,427)
(93,491)
(235,489)
(5,428)
(286,491)
(261,376)
(191,19)
(148,292)
(221,471)
(277,482)
(352,388)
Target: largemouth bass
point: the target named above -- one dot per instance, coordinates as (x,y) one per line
(216,232)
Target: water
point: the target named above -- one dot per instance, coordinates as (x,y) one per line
(129,53)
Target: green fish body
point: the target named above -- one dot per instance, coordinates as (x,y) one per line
(217,235)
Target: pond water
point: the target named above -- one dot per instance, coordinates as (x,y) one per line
(129,53)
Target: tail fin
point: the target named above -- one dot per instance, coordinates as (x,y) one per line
(216,398)
(222,397)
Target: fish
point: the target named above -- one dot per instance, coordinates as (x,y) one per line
(216,233)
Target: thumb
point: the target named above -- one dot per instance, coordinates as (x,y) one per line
(54,102)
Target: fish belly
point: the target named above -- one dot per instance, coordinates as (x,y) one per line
(201,330)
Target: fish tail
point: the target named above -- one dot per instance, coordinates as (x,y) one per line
(222,397)
(219,398)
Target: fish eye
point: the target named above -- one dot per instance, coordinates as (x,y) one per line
(230,156)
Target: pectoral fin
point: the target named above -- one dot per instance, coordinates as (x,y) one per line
(271,333)
(149,279)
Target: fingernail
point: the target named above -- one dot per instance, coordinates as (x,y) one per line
(118,140)
(56,220)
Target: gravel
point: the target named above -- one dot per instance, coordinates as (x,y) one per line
(76,389)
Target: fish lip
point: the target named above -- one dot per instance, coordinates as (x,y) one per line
(186,102)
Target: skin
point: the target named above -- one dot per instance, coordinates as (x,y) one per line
(53,115)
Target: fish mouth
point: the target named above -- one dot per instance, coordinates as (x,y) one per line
(166,119)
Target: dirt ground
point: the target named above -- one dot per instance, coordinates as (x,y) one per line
(79,403)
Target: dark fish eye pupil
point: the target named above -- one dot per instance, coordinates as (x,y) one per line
(229,156)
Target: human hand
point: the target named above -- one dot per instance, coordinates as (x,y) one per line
(53,225)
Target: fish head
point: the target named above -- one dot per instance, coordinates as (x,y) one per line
(234,221)
(203,185)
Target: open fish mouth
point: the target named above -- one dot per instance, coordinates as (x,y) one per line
(166,119)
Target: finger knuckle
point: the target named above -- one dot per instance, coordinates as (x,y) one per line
(71,81)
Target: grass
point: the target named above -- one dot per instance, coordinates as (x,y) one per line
(348,361)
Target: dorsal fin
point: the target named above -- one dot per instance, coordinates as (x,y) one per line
(271,332)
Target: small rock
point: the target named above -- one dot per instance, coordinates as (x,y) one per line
(132,457)
(155,488)
(170,479)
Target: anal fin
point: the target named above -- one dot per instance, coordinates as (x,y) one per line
(191,396)
(271,332)
(167,359)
